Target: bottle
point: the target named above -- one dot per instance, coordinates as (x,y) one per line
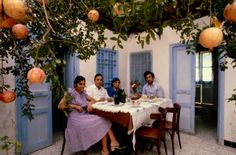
(123,96)
(116,98)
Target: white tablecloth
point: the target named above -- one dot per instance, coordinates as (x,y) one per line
(140,114)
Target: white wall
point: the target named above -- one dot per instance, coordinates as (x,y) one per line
(230,107)
(8,111)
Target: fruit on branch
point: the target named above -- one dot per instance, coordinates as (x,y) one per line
(0,6)
(7,22)
(93,15)
(230,12)
(20,31)
(211,37)
(36,75)
(117,9)
(7,96)
(15,9)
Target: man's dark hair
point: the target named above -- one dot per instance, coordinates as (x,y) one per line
(148,72)
(98,74)
(78,79)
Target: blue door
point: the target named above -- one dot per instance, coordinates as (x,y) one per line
(37,133)
(182,85)
(71,69)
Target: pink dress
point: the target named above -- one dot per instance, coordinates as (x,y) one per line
(84,129)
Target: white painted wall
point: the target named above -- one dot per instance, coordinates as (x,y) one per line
(230,107)
(8,111)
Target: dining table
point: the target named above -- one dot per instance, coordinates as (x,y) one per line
(133,114)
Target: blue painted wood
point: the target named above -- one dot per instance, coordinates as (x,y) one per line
(71,69)
(37,133)
(182,85)
(221,101)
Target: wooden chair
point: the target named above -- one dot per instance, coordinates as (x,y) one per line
(153,134)
(64,125)
(173,126)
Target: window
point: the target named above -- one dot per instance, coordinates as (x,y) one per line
(139,63)
(107,65)
(204,67)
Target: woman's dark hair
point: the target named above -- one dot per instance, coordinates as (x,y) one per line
(148,72)
(78,79)
(98,74)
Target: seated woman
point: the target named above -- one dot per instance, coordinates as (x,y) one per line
(115,86)
(83,128)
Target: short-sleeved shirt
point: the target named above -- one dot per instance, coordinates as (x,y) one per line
(79,98)
(153,90)
(111,91)
(96,93)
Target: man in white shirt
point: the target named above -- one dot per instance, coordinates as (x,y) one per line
(99,93)
(96,90)
(151,88)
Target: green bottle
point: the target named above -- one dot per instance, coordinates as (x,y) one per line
(116,98)
(122,96)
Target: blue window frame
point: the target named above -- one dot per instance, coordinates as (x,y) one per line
(107,65)
(139,63)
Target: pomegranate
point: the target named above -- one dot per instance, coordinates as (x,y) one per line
(93,15)
(7,96)
(7,22)
(20,31)
(230,12)
(15,9)
(36,75)
(211,37)
(117,9)
(0,6)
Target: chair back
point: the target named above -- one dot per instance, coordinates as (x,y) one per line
(162,122)
(178,109)
(173,124)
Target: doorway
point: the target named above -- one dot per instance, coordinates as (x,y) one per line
(206,88)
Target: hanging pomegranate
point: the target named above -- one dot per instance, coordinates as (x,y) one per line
(93,15)
(211,37)
(0,6)
(7,22)
(15,9)
(36,75)
(7,96)
(117,9)
(230,12)
(20,31)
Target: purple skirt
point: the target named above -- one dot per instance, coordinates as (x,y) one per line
(84,130)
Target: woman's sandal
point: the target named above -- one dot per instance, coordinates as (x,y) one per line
(117,147)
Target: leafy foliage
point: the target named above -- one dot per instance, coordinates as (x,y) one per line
(62,28)
(7,143)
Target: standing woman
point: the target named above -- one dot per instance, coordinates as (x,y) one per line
(84,129)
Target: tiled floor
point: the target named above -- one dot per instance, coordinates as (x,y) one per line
(202,143)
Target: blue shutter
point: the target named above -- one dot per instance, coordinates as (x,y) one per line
(139,63)
(107,65)
(182,87)
(37,133)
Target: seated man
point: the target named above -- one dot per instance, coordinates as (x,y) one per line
(99,93)
(115,87)
(96,90)
(151,88)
